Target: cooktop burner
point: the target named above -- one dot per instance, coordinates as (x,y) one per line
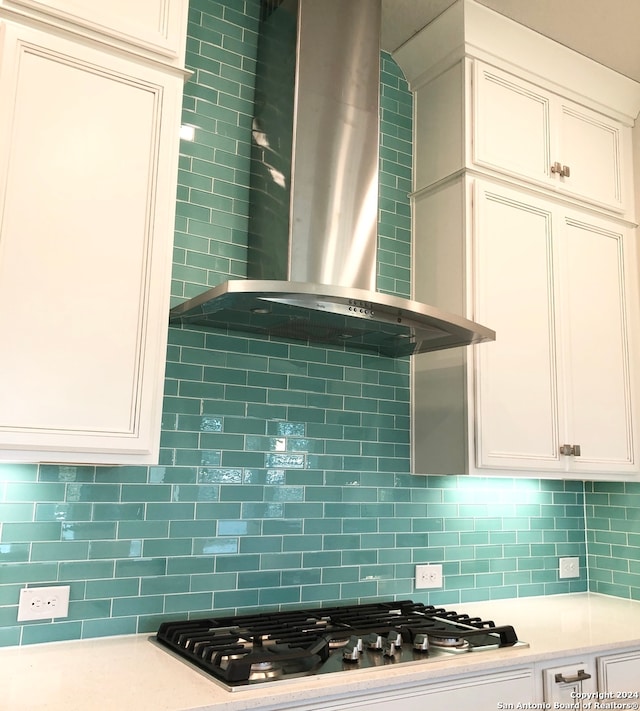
(245,650)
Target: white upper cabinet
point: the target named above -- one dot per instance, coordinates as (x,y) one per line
(495,97)
(88,171)
(532,134)
(524,220)
(154,27)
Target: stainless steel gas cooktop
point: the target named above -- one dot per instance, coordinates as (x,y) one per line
(239,652)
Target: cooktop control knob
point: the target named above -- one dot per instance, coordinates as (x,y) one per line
(421,643)
(352,651)
(389,649)
(374,641)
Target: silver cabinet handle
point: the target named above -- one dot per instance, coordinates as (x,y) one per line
(580,676)
(570,450)
(562,170)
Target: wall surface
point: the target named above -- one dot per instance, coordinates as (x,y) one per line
(284,474)
(613,538)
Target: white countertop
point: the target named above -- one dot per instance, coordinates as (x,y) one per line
(131,672)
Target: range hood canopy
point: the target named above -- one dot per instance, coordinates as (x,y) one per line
(313,215)
(355,318)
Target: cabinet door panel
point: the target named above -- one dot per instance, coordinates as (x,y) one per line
(157,25)
(83,250)
(591,146)
(480,693)
(512,125)
(596,353)
(517,378)
(620,673)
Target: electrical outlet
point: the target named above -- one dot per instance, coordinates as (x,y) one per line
(569,567)
(43,603)
(428,576)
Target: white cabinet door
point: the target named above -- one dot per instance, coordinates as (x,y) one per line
(517,404)
(511,124)
(88,151)
(534,134)
(596,325)
(594,149)
(619,674)
(156,25)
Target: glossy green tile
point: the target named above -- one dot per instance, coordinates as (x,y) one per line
(16,512)
(115,549)
(169,512)
(27,572)
(318,593)
(26,491)
(10,636)
(125,607)
(124,587)
(215,510)
(85,570)
(117,512)
(215,546)
(187,602)
(109,626)
(84,530)
(18,472)
(66,550)
(262,544)
(140,567)
(237,563)
(235,599)
(28,532)
(192,529)
(58,632)
(14,553)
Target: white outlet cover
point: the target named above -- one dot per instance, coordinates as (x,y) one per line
(569,568)
(43,603)
(428,576)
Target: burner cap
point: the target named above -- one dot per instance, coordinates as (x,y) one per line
(449,642)
(261,671)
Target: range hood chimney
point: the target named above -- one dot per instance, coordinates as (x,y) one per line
(314,195)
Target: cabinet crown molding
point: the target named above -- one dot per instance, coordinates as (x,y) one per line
(469,29)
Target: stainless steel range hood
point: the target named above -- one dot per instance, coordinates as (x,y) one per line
(313,215)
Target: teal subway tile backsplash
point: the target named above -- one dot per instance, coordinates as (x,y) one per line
(284,475)
(613,538)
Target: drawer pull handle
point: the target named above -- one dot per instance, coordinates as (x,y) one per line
(580,676)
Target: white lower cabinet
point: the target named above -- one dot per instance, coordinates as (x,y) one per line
(580,683)
(620,674)
(88,166)
(593,682)
(555,393)
(567,685)
(486,692)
